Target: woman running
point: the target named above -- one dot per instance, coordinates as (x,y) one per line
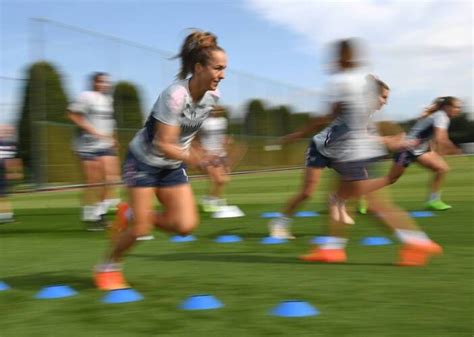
(156,163)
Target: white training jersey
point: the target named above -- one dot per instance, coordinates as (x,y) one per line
(213,135)
(424,129)
(174,107)
(346,138)
(97,108)
(8,149)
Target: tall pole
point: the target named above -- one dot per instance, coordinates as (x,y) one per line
(37,97)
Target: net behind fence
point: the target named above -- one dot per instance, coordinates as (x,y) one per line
(76,52)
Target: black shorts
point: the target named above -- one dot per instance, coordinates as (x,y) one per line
(139,174)
(94,154)
(3,180)
(314,158)
(404,158)
(357,170)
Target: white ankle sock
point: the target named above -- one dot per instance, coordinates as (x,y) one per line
(435,196)
(282,222)
(108,266)
(406,236)
(334,242)
(6,215)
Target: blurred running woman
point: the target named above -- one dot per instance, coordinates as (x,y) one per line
(155,166)
(214,141)
(359,150)
(96,146)
(432,128)
(11,168)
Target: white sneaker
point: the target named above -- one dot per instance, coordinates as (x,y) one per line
(145,238)
(90,214)
(109,205)
(228,212)
(279,228)
(209,204)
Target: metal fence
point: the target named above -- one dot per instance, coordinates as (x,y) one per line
(77,52)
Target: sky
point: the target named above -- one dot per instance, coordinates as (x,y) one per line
(277,49)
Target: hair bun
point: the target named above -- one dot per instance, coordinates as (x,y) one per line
(207,40)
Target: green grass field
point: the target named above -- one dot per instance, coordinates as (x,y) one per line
(367,297)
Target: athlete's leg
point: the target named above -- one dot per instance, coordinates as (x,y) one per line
(311,179)
(180,214)
(218,179)
(434,162)
(92,173)
(141,205)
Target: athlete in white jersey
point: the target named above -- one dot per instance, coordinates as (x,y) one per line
(96,146)
(214,141)
(11,168)
(213,133)
(155,165)
(432,127)
(356,178)
(329,141)
(345,139)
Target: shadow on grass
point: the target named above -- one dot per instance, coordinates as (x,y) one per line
(239,257)
(5,231)
(48,212)
(36,281)
(249,235)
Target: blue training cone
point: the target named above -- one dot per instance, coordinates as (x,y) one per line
(56,291)
(269,215)
(269,240)
(421,214)
(182,238)
(122,296)
(228,239)
(294,308)
(4,286)
(320,240)
(201,302)
(375,241)
(306,214)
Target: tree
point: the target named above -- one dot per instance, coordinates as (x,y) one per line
(298,120)
(253,123)
(127,106)
(278,121)
(44,100)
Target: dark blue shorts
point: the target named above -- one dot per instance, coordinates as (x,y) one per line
(139,174)
(356,170)
(3,180)
(92,155)
(315,159)
(404,158)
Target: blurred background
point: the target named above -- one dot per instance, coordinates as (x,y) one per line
(46,63)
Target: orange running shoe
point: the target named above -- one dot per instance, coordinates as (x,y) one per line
(110,280)
(418,254)
(120,222)
(325,256)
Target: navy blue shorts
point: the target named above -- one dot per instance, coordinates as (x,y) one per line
(94,154)
(314,158)
(356,170)
(139,174)
(404,158)
(3,180)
